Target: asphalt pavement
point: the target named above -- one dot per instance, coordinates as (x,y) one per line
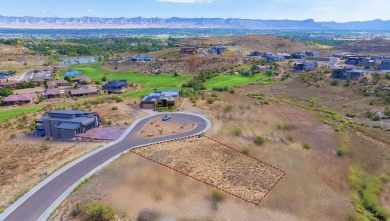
(40,201)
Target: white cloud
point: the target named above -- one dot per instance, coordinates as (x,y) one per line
(187,1)
(90,10)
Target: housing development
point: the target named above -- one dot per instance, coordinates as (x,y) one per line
(108,118)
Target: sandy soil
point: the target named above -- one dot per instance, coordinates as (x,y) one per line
(25,161)
(217,165)
(157,127)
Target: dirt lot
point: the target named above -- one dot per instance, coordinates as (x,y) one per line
(157,127)
(217,165)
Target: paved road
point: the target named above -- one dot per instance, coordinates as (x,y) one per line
(27,76)
(333,63)
(41,203)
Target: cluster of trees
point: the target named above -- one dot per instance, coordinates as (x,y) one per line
(197,83)
(4,92)
(97,46)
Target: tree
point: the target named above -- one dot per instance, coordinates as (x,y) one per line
(4,92)
(104,78)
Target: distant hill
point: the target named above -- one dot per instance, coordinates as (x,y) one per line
(139,22)
(373,46)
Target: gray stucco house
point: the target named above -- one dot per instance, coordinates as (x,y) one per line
(66,124)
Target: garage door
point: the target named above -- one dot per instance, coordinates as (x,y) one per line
(147,106)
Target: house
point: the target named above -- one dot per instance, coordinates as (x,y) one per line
(19,99)
(117,86)
(348,74)
(142,58)
(9,84)
(188,50)
(254,54)
(56,83)
(66,124)
(385,65)
(39,80)
(167,98)
(311,53)
(84,91)
(274,57)
(305,66)
(217,49)
(4,76)
(360,61)
(52,93)
(298,56)
(82,79)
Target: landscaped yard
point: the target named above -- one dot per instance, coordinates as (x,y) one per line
(15,112)
(228,80)
(146,81)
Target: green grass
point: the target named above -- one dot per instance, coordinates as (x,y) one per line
(228,81)
(15,112)
(146,81)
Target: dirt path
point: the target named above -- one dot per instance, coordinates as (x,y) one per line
(371,139)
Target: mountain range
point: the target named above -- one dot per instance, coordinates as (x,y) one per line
(217,23)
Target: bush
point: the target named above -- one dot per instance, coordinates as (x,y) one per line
(259,140)
(44,147)
(210,100)
(109,122)
(217,196)
(12,136)
(245,150)
(351,114)
(100,212)
(341,151)
(229,108)
(237,131)
(286,127)
(148,215)
(114,108)
(290,138)
(375,117)
(335,83)
(306,146)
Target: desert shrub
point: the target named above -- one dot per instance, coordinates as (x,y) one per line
(387,112)
(290,138)
(100,212)
(351,114)
(76,210)
(246,150)
(286,127)
(114,108)
(341,151)
(109,122)
(12,136)
(237,131)
(217,196)
(103,120)
(335,83)
(44,147)
(148,215)
(210,100)
(259,140)
(306,146)
(228,108)
(375,117)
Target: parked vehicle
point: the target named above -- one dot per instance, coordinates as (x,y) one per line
(166,117)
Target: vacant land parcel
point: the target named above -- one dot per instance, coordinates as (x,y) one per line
(216,165)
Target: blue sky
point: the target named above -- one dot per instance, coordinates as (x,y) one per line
(319,10)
